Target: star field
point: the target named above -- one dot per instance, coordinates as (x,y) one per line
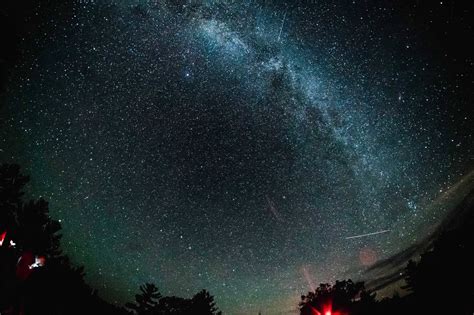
(234,146)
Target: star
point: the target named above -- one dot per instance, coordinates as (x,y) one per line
(239,146)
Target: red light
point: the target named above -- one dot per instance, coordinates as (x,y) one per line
(2,237)
(314,311)
(327,309)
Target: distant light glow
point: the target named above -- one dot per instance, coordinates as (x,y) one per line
(191,135)
(2,237)
(39,262)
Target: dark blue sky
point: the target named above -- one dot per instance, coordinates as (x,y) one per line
(234,146)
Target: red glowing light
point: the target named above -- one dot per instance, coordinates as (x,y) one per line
(2,237)
(326,310)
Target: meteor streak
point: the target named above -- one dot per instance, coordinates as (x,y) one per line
(368,234)
(281,27)
(273,210)
(308,278)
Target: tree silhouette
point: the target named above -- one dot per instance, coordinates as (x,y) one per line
(173,305)
(28,224)
(37,232)
(58,287)
(12,183)
(146,303)
(344,297)
(203,303)
(150,302)
(443,274)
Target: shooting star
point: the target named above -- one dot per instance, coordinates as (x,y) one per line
(309,279)
(281,27)
(273,210)
(368,234)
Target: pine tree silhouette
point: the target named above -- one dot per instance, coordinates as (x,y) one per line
(344,297)
(203,303)
(146,303)
(57,287)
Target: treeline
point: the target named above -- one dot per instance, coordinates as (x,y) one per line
(150,302)
(37,278)
(440,282)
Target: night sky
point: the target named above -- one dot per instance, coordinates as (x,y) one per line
(235,146)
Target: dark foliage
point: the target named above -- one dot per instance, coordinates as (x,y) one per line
(150,302)
(147,301)
(203,303)
(438,283)
(57,287)
(344,297)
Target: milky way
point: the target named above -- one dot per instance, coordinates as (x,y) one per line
(234,146)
